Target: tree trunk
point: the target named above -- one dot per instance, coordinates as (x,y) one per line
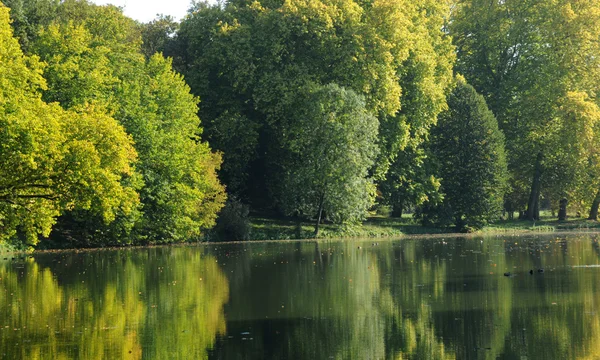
(534,196)
(594,209)
(397,208)
(319,214)
(562,210)
(459,223)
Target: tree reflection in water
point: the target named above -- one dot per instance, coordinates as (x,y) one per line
(407,299)
(158,303)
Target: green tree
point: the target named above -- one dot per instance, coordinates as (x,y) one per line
(331,141)
(182,194)
(29,16)
(410,180)
(248,60)
(157,35)
(469,151)
(54,160)
(425,76)
(93,56)
(528,58)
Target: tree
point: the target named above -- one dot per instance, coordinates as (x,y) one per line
(54,160)
(469,151)
(426,77)
(93,57)
(410,180)
(248,60)
(29,16)
(572,174)
(528,58)
(182,194)
(331,142)
(157,35)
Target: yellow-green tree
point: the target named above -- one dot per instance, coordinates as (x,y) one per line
(536,63)
(52,160)
(425,77)
(94,57)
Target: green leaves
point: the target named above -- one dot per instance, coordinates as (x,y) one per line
(528,58)
(182,195)
(76,160)
(249,63)
(331,141)
(468,149)
(53,160)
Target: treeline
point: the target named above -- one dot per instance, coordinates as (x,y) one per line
(315,109)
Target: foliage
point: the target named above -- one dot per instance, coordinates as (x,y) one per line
(182,195)
(314,107)
(54,160)
(248,61)
(573,171)
(28,17)
(425,77)
(410,180)
(233,222)
(95,68)
(331,141)
(531,59)
(469,151)
(157,35)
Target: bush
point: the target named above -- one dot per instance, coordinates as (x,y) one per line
(233,223)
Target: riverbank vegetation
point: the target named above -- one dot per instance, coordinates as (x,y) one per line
(376,226)
(316,112)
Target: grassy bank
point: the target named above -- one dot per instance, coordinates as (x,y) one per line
(378,226)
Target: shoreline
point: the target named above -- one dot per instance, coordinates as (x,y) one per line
(514,233)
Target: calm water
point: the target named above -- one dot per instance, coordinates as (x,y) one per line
(414,299)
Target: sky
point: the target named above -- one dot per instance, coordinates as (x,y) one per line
(146,10)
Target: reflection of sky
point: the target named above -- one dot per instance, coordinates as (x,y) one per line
(146,10)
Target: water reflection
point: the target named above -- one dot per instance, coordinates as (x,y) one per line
(408,299)
(157,303)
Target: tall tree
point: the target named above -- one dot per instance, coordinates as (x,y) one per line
(469,150)
(157,35)
(425,77)
(93,56)
(54,160)
(331,140)
(248,60)
(529,58)
(29,16)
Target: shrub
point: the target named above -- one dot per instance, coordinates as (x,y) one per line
(233,223)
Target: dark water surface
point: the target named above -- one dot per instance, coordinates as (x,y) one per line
(414,299)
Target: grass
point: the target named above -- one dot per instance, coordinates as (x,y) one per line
(545,224)
(377,226)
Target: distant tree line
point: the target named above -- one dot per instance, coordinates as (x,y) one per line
(313,109)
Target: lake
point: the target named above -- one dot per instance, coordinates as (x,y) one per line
(436,298)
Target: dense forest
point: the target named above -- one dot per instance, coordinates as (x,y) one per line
(115,132)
